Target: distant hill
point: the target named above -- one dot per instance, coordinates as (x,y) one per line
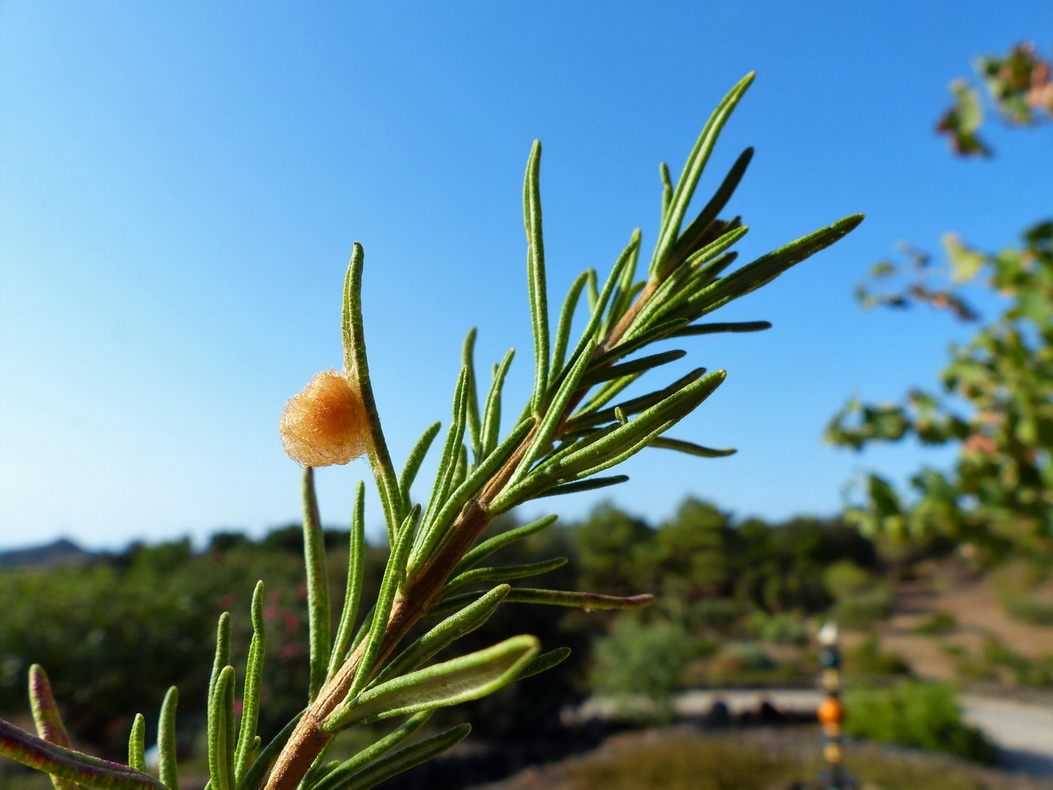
(61,552)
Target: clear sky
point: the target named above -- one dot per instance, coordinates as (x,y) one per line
(181,184)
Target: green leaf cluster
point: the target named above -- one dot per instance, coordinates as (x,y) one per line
(577,423)
(994,405)
(1018,85)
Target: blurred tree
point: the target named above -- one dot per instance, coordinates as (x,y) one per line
(615,553)
(692,548)
(994,400)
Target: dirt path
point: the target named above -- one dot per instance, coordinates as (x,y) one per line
(974,606)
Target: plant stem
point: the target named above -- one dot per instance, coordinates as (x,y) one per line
(415,599)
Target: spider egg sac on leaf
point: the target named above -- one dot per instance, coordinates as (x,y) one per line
(325,424)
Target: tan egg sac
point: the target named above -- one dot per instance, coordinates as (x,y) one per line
(325,424)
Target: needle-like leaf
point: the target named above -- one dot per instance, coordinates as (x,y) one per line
(221,732)
(566,319)
(690,448)
(356,568)
(69,765)
(318,617)
(137,743)
(685,186)
(472,406)
(536,273)
(492,410)
(356,364)
(449,630)
(404,759)
(578,600)
(250,702)
(342,774)
(505,573)
(167,761)
(414,460)
(458,680)
(47,718)
(394,575)
(490,545)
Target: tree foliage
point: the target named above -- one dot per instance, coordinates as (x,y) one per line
(993,401)
(1019,88)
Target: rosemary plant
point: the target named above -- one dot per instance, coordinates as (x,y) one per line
(575,426)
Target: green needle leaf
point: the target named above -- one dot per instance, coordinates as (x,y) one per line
(505,573)
(222,658)
(356,569)
(355,362)
(629,368)
(394,574)
(578,600)
(682,283)
(449,630)
(447,470)
(633,405)
(47,717)
(550,423)
(490,545)
(250,705)
(667,189)
(685,186)
(318,616)
(545,662)
(536,274)
(137,743)
(416,457)
(690,448)
(167,762)
(341,776)
(657,332)
(614,445)
(731,326)
(69,765)
(566,319)
(766,268)
(221,732)
(472,411)
(437,529)
(492,410)
(583,485)
(459,680)
(405,758)
(697,232)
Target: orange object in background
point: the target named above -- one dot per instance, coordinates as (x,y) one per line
(831,711)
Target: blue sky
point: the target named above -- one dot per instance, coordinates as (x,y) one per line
(181,184)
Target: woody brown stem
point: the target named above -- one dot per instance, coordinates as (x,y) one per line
(309,738)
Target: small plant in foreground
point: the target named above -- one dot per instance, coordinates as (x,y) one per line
(575,425)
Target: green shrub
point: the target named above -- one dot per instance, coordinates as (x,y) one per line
(781,628)
(1022,670)
(861,598)
(861,610)
(642,660)
(1030,608)
(713,614)
(868,659)
(937,623)
(844,578)
(918,715)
